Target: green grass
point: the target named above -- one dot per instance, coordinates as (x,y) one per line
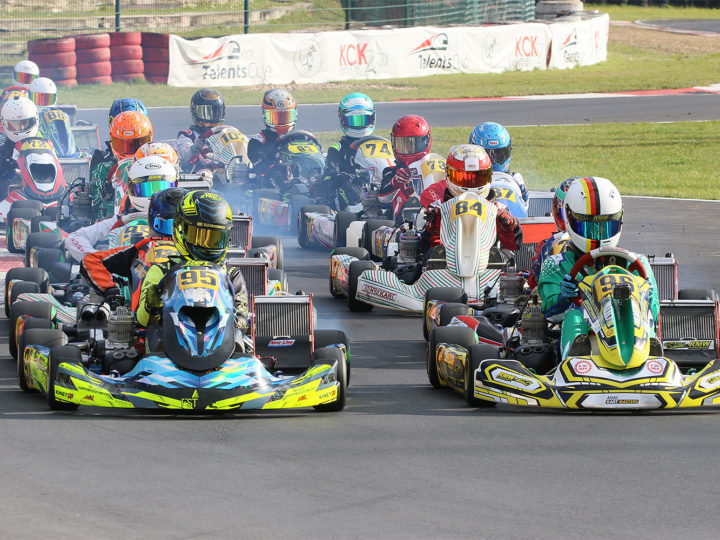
(666,160)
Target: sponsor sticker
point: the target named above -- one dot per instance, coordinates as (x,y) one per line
(371,290)
(281,342)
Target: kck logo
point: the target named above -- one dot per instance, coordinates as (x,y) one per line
(353,55)
(526,47)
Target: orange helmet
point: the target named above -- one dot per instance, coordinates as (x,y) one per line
(129,130)
(158,149)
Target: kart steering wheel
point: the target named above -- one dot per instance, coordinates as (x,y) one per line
(588,259)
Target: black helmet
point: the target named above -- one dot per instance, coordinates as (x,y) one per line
(207,107)
(162,210)
(202,227)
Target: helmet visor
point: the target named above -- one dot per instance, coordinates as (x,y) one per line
(357,120)
(207,238)
(602,227)
(41,99)
(498,156)
(24,78)
(212,114)
(411,145)
(145,187)
(468,179)
(20,125)
(280,118)
(128,147)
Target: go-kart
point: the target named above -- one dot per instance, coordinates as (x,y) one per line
(620,365)
(195,360)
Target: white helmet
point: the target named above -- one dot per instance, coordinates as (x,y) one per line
(26,71)
(593,213)
(468,168)
(146,176)
(43,92)
(19,118)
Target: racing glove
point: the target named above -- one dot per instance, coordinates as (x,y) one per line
(403,181)
(113,298)
(568,288)
(153,298)
(197,146)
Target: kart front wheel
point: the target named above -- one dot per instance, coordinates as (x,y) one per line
(443,294)
(356,270)
(324,338)
(452,335)
(59,355)
(342,222)
(30,336)
(33,275)
(24,213)
(21,309)
(477,354)
(330,355)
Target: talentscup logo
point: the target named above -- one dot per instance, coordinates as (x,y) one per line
(432,54)
(230,62)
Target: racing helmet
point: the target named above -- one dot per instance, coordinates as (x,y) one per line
(126,104)
(43,92)
(468,168)
(495,139)
(25,72)
(559,202)
(207,108)
(19,118)
(357,115)
(410,138)
(146,176)
(593,213)
(279,110)
(203,226)
(158,149)
(129,130)
(162,210)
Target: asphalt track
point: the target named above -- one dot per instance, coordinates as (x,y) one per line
(401,461)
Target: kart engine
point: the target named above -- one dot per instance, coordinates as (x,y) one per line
(117,351)
(408,246)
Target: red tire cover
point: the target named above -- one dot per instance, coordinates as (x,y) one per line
(57,45)
(125,38)
(96,69)
(92,41)
(126,52)
(127,66)
(88,56)
(150,39)
(128,77)
(52,60)
(157,69)
(156,54)
(105,79)
(60,73)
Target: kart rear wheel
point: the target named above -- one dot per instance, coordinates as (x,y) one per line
(450,310)
(697,294)
(34,275)
(58,355)
(41,310)
(33,334)
(296,203)
(454,335)
(21,287)
(281,276)
(342,222)
(370,227)
(445,294)
(263,241)
(302,233)
(358,253)
(264,193)
(323,338)
(41,240)
(356,269)
(477,354)
(24,213)
(331,355)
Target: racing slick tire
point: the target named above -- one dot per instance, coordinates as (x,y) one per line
(262,241)
(697,294)
(281,276)
(450,310)
(24,213)
(446,294)
(342,222)
(40,310)
(34,275)
(370,226)
(20,287)
(302,236)
(41,240)
(58,355)
(359,253)
(457,335)
(35,205)
(296,203)
(323,338)
(32,335)
(331,354)
(356,269)
(476,354)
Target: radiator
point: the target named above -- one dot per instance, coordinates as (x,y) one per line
(240,236)
(688,330)
(254,271)
(74,169)
(540,203)
(282,316)
(666,276)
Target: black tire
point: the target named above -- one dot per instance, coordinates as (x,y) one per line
(342,222)
(302,236)
(35,205)
(356,269)
(281,276)
(41,240)
(34,275)
(21,287)
(24,213)
(296,203)
(370,227)
(332,354)
(357,252)
(48,257)
(50,213)
(697,294)
(446,294)
(41,310)
(262,241)
(457,335)
(29,337)
(450,310)
(258,194)
(323,338)
(477,354)
(58,355)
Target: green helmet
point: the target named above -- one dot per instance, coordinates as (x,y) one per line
(203,226)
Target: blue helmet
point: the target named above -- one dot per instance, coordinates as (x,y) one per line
(162,210)
(495,139)
(357,115)
(125,104)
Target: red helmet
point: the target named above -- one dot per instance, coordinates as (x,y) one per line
(410,137)
(468,168)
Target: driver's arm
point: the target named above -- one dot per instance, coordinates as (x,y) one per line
(147,313)
(654,300)
(554,304)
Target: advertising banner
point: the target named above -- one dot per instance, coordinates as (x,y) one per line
(579,43)
(269,59)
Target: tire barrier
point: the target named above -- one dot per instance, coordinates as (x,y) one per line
(126,56)
(92,41)
(156,57)
(87,56)
(45,46)
(105,79)
(51,60)
(93,57)
(60,73)
(96,69)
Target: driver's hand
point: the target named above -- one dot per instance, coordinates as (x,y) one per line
(568,287)
(197,146)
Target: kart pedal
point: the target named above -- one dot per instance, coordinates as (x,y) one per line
(580,346)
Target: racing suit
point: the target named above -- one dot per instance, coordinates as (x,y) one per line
(84,240)
(264,154)
(556,307)
(148,311)
(7,163)
(550,246)
(396,187)
(340,171)
(190,160)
